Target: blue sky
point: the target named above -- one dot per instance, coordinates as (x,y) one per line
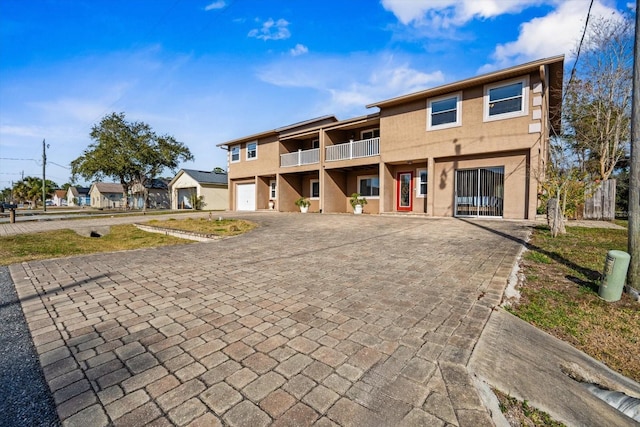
(208,71)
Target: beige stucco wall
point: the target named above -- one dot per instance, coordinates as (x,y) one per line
(267,162)
(515,182)
(405,136)
(215,197)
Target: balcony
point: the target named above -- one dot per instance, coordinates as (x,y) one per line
(301,157)
(353,150)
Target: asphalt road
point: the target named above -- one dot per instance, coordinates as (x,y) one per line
(25,398)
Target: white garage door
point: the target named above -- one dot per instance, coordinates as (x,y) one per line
(246,197)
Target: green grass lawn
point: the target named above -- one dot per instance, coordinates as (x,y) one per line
(560,296)
(63,243)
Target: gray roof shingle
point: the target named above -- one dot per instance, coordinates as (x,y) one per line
(207,177)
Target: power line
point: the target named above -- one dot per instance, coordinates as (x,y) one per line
(584,32)
(54,163)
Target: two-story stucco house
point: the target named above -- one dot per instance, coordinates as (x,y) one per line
(476,147)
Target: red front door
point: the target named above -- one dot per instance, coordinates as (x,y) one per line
(404,195)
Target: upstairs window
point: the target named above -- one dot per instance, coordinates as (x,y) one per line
(252,150)
(315,143)
(444,112)
(235,153)
(506,100)
(369,134)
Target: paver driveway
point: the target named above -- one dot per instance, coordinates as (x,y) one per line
(307,320)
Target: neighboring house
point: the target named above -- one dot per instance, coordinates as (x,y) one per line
(78,196)
(211,186)
(59,198)
(472,148)
(158,195)
(106,195)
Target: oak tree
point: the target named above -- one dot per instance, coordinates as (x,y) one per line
(130,153)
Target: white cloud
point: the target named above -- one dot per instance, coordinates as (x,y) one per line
(554,34)
(351,82)
(272,30)
(384,83)
(22,131)
(300,49)
(447,13)
(219,4)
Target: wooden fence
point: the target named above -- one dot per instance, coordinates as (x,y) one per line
(602,203)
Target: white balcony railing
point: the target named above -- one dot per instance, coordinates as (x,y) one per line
(353,150)
(301,157)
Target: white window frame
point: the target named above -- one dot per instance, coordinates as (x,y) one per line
(363,177)
(372,130)
(419,182)
(458,122)
(273,189)
(311,182)
(248,151)
(524,110)
(315,142)
(231,153)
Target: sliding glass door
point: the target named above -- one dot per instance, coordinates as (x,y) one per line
(480,192)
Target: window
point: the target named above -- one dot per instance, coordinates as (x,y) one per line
(421,183)
(235,153)
(506,100)
(369,186)
(272,189)
(315,189)
(371,133)
(444,112)
(315,143)
(252,150)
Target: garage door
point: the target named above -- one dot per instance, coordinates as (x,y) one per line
(184,197)
(246,197)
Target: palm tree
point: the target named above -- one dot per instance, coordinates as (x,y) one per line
(30,188)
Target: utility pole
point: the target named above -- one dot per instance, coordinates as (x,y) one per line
(633,276)
(44,181)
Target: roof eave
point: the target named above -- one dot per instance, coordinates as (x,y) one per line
(473,81)
(248,138)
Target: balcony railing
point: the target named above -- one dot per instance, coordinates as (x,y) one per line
(353,150)
(301,157)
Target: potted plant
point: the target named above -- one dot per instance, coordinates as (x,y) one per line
(357,202)
(303,204)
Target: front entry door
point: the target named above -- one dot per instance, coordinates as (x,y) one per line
(404,199)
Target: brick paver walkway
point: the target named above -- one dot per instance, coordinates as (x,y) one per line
(308,320)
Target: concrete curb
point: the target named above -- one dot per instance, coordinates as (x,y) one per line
(198,237)
(528,364)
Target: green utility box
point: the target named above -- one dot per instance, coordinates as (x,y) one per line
(614,275)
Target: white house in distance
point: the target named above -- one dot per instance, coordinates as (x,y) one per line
(78,196)
(59,198)
(189,183)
